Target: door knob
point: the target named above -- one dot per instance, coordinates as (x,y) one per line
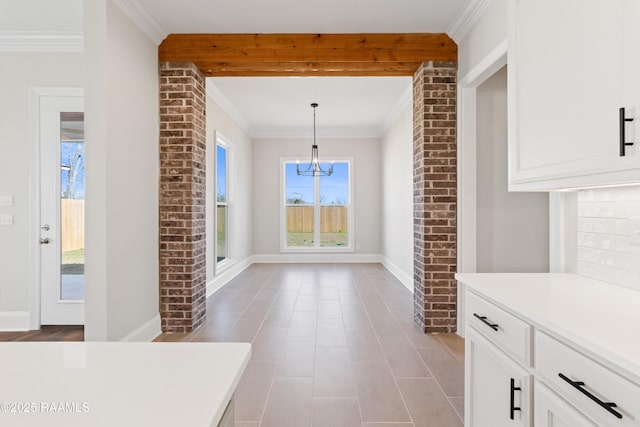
(44,241)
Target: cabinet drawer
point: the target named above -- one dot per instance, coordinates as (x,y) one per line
(503,329)
(586,384)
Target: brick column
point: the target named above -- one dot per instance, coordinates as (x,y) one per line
(182,197)
(434,196)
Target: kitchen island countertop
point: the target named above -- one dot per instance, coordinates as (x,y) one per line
(118,383)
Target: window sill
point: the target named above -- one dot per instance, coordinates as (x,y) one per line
(316,250)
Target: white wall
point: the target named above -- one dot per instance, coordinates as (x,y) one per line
(512,228)
(122,161)
(609,235)
(397,197)
(266,189)
(488,32)
(239,183)
(20,71)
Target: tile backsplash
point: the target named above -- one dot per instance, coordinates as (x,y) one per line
(609,235)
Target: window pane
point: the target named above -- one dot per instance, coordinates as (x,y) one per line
(222,200)
(298,189)
(300,221)
(72,206)
(221,229)
(221,174)
(334,189)
(333,226)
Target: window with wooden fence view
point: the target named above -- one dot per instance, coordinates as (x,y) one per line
(72,206)
(317,208)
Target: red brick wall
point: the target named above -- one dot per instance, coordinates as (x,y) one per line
(434,196)
(182,197)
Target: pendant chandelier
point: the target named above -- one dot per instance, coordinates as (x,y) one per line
(314,168)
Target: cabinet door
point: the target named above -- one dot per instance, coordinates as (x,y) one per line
(565,89)
(495,386)
(631,71)
(552,411)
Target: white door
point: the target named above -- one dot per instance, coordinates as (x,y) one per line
(62,210)
(497,389)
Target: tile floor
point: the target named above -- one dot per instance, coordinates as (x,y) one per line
(334,345)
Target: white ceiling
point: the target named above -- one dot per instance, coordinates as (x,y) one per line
(280,106)
(304,16)
(269,107)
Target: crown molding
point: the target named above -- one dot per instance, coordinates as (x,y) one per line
(403,102)
(223,102)
(41,42)
(142,19)
(467,18)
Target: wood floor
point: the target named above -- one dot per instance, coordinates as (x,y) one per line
(334,345)
(47,333)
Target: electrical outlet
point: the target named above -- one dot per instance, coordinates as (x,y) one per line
(6,219)
(6,200)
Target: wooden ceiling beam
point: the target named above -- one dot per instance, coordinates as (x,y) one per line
(266,69)
(307,54)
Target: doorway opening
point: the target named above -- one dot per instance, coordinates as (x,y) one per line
(512,227)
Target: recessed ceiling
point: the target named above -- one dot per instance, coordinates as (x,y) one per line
(304,16)
(280,106)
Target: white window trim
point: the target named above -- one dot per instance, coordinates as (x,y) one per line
(350,248)
(229,261)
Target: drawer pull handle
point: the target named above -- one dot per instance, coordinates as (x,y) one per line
(512,407)
(623,139)
(484,320)
(608,406)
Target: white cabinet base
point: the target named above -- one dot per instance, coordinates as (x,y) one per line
(551,411)
(488,375)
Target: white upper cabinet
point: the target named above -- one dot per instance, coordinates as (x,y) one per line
(572,65)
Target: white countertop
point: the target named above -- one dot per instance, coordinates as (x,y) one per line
(118,384)
(598,318)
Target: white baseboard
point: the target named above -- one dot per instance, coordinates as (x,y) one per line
(403,277)
(147,332)
(316,258)
(227,275)
(11,321)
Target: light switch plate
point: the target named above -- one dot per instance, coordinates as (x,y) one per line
(6,200)
(6,219)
